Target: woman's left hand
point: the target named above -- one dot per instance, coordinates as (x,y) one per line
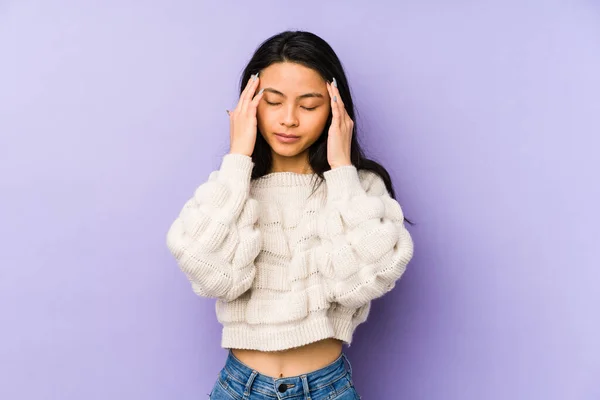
(340,132)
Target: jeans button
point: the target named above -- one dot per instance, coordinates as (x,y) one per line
(282,388)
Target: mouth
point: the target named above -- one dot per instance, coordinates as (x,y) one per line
(285,138)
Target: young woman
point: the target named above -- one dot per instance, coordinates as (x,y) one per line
(296,232)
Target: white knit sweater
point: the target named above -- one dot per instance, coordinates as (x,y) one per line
(289,268)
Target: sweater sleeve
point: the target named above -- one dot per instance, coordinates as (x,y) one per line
(367,245)
(214,238)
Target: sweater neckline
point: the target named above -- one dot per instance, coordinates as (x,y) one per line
(285,179)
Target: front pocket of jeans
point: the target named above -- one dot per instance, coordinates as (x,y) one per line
(227,388)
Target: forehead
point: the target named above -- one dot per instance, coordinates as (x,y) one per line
(291,78)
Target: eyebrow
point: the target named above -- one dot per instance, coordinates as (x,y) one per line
(304,96)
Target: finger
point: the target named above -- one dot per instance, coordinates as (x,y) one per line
(346,124)
(331,94)
(335,99)
(248,84)
(330,91)
(244,93)
(256,100)
(335,112)
(344,118)
(342,114)
(337,105)
(349,123)
(249,94)
(336,92)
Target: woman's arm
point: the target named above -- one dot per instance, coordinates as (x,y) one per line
(366,244)
(214,238)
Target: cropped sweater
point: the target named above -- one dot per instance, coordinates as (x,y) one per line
(290,265)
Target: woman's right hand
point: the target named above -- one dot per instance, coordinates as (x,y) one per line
(243,121)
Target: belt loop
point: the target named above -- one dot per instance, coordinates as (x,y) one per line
(305,387)
(347,362)
(249,385)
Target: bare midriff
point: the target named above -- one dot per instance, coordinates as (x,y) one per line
(291,362)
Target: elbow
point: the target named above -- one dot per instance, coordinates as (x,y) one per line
(204,271)
(374,280)
(364,291)
(208,276)
(219,285)
(211,289)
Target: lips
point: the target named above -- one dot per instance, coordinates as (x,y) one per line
(286,139)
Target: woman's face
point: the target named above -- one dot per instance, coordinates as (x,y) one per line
(295,103)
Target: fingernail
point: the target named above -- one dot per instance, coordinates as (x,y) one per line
(334,83)
(254,77)
(335,99)
(260,92)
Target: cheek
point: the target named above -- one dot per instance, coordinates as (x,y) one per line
(262,117)
(317,120)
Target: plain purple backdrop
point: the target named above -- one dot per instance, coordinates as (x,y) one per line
(487,115)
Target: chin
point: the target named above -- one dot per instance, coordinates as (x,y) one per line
(286,151)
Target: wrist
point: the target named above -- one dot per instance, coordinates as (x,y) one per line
(342,182)
(339,165)
(236,167)
(240,152)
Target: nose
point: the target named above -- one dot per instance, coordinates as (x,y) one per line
(289,117)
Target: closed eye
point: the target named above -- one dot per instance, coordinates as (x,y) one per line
(276,104)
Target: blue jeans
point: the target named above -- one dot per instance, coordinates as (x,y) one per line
(237,381)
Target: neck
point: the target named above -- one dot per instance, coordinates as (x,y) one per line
(298,164)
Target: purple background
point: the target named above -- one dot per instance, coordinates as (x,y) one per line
(487,115)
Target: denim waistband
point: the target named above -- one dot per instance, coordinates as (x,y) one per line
(297,385)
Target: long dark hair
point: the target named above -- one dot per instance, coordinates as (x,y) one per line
(311,51)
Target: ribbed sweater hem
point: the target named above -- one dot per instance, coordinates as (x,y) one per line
(275,338)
